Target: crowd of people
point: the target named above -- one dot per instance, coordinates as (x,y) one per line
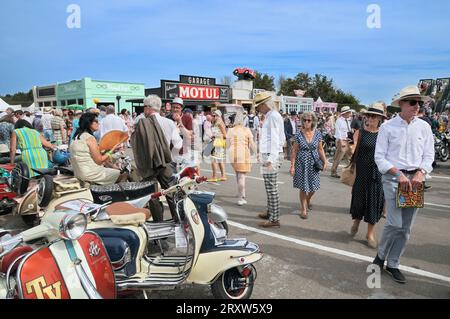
(389,151)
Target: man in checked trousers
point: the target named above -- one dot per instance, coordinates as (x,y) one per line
(272,140)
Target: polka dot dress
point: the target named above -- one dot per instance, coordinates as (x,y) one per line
(306,178)
(367,192)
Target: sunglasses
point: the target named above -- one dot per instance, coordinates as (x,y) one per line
(414,102)
(307,121)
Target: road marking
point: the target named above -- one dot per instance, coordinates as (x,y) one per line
(335,251)
(441,177)
(437,205)
(251,177)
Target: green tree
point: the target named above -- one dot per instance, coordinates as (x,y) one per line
(315,87)
(264,81)
(22,98)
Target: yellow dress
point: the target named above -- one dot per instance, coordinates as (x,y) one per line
(239,139)
(84,166)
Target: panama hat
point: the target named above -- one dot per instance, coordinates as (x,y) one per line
(4,148)
(112,138)
(47,109)
(377,109)
(408,92)
(261,98)
(346,109)
(178,100)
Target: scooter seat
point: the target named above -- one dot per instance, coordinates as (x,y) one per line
(122,192)
(53,171)
(7,260)
(123,213)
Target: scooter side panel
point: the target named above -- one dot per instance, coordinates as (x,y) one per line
(196,224)
(97,258)
(212,264)
(40,277)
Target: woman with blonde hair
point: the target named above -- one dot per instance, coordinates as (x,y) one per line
(218,155)
(239,143)
(307,150)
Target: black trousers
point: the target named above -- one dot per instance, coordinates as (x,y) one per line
(166,179)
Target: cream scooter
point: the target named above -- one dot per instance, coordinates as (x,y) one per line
(194,253)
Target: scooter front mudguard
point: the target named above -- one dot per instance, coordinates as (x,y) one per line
(212,263)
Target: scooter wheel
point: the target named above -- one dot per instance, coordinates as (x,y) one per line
(45,191)
(233,285)
(443,154)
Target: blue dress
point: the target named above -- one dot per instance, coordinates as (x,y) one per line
(306,178)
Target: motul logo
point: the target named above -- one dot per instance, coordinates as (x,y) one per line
(189,92)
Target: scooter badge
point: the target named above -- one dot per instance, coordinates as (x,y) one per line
(195,217)
(94,250)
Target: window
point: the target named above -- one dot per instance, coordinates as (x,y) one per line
(46,92)
(47,103)
(41,104)
(63,103)
(80,101)
(71,102)
(54,103)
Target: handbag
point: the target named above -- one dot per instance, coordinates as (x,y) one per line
(220,142)
(318,165)
(209,149)
(348,174)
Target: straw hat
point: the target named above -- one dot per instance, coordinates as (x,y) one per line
(407,93)
(261,98)
(4,148)
(377,109)
(47,109)
(112,138)
(346,109)
(178,100)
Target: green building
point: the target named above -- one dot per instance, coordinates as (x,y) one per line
(92,93)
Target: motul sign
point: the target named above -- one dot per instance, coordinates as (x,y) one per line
(189,92)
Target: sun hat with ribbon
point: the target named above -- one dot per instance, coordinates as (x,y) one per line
(261,98)
(409,92)
(377,109)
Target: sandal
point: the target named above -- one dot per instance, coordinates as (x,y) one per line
(223,179)
(304,215)
(212,180)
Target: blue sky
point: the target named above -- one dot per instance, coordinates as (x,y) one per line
(148,40)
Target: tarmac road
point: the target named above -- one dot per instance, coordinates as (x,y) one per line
(317,258)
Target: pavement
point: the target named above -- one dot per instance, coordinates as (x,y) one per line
(317,258)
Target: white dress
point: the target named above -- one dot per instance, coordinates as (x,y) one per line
(85,168)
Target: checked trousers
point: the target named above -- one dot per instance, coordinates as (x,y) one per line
(273,197)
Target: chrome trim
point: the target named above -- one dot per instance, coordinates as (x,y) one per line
(87,285)
(125,255)
(253,251)
(218,214)
(8,272)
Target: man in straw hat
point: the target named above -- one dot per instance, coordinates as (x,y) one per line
(404,155)
(271,144)
(342,132)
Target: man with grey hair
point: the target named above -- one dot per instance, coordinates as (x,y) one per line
(271,148)
(112,122)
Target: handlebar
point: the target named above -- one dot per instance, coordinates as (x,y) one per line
(182,184)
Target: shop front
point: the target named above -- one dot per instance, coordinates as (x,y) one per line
(198,93)
(93,93)
(296,104)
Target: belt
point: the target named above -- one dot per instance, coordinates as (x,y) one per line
(404,171)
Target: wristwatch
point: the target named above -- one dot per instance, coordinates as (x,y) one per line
(424,172)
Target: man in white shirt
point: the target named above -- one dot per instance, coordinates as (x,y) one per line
(404,154)
(271,144)
(111,122)
(343,148)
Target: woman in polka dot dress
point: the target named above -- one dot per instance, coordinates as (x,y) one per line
(307,148)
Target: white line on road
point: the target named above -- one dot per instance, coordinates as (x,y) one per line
(437,205)
(251,177)
(336,251)
(441,177)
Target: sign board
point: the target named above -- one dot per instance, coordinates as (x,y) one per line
(197,80)
(171,90)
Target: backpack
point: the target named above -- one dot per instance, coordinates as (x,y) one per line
(251,122)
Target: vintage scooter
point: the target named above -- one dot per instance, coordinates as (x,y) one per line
(68,263)
(54,190)
(195,252)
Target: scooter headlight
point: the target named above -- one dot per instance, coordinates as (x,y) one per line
(73,226)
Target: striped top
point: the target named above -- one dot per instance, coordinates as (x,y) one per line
(33,154)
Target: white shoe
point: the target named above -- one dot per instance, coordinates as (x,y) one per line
(241,202)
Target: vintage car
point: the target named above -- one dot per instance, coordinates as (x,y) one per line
(244,74)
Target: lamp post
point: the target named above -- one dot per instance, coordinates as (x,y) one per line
(118,97)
